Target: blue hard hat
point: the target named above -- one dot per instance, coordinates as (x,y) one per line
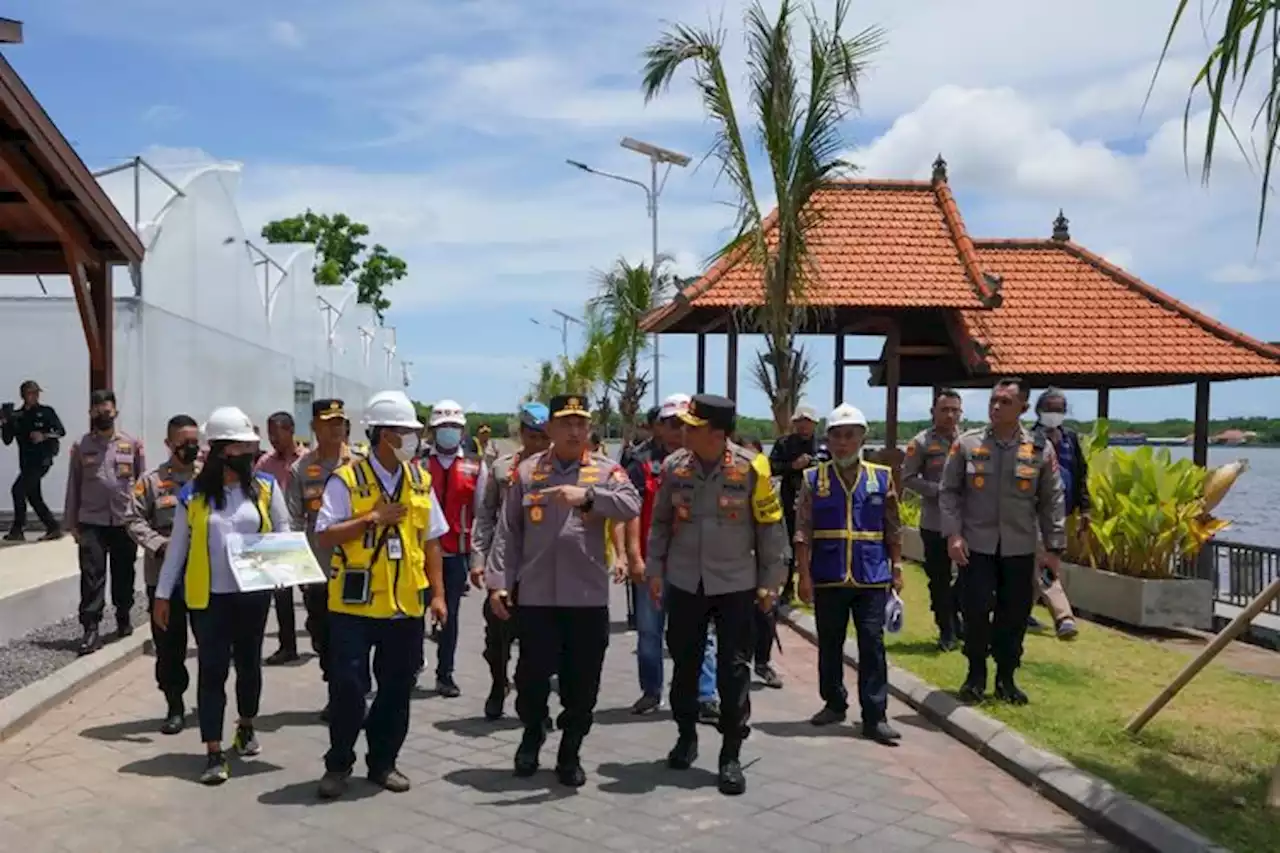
(534,416)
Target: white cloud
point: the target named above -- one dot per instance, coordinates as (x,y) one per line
(162,115)
(1240,273)
(286,34)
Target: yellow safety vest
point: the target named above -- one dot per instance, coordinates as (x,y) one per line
(398,587)
(196,580)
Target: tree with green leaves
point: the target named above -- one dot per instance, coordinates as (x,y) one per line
(341,256)
(1247,48)
(799,125)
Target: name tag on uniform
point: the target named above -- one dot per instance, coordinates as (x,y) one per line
(395,548)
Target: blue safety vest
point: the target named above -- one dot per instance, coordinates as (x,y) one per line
(848,527)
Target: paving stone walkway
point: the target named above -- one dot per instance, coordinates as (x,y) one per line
(93,776)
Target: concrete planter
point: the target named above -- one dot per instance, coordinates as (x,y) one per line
(912,545)
(1140,602)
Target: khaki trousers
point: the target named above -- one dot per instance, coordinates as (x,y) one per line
(1053,595)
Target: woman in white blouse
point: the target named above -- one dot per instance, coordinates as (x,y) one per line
(225,497)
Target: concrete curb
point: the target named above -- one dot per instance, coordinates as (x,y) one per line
(18,710)
(1091,800)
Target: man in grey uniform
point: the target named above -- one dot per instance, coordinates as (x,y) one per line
(719,545)
(549,553)
(1000,493)
(498,634)
(922,474)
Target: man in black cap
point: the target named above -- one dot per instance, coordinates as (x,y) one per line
(719,544)
(559,511)
(303,495)
(37,429)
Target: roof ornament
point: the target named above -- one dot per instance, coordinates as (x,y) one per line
(939,170)
(1060,232)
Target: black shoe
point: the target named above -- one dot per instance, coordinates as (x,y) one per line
(1007,691)
(333,784)
(709,712)
(1033,623)
(281,656)
(447,688)
(493,703)
(90,642)
(972,692)
(526,763)
(881,732)
(768,676)
(175,719)
(15,536)
(124,626)
(52,535)
(684,753)
(946,641)
(570,774)
(828,716)
(646,704)
(731,781)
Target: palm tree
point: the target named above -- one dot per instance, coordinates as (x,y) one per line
(624,294)
(799,129)
(1250,30)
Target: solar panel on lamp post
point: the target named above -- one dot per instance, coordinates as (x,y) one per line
(652,192)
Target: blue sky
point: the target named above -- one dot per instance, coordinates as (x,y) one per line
(445,126)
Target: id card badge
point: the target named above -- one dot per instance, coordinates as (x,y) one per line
(395,548)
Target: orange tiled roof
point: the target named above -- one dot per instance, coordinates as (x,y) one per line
(1066,310)
(878,244)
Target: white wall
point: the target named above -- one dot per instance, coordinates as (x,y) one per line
(210,329)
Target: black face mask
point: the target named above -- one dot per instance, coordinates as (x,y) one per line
(102,423)
(186,453)
(242,466)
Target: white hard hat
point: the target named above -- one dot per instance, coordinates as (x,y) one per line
(229,424)
(448,412)
(805,413)
(846,415)
(674,405)
(391,409)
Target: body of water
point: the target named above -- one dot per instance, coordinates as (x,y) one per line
(1253,504)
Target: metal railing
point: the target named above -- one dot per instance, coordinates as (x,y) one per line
(1238,571)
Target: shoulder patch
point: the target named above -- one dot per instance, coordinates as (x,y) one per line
(140,487)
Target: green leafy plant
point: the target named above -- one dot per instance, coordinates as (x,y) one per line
(909,509)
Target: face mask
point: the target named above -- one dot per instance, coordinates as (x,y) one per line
(1052,420)
(846,461)
(187,453)
(241,465)
(448,438)
(408,447)
(102,423)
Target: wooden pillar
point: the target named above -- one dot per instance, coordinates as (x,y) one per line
(101,374)
(731,362)
(893,365)
(1200,446)
(702,363)
(1104,403)
(837,393)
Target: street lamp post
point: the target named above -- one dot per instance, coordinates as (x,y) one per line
(652,192)
(565,320)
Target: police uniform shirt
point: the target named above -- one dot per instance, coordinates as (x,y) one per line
(335,505)
(100,480)
(490,499)
(152,511)
(804,510)
(1001,496)
(717,528)
(555,552)
(922,473)
(305,490)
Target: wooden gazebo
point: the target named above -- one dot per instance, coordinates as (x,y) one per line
(894,260)
(54,217)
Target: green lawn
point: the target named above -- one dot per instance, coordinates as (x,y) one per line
(1205,760)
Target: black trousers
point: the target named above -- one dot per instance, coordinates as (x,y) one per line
(99,547)
(998,596)
(315,597)
(498,637)
(171,646)
(286,619)
(569,642)
(26,489)
(944,593)
(396,646)
(734,614)
(766,632)
(229,632)
(832,608)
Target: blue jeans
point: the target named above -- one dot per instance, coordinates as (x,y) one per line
(455,581)
(650,620)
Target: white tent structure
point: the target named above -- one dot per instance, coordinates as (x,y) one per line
(214,317)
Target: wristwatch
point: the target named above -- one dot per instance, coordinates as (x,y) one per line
(762,593)
(590,499)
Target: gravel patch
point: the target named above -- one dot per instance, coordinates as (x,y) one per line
(41,653)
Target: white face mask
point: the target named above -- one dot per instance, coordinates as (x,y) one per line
(1052,420)
(408,447)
